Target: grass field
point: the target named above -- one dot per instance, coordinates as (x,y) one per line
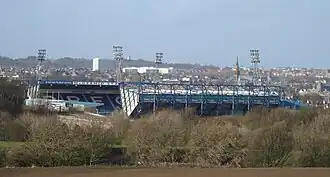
(9,144)
(162,172)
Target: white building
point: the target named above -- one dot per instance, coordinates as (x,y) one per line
(143,70)
(96,64)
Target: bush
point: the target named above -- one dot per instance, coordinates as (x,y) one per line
(3,157)
(270,146)
(12,95)
(312,143)
(214,143)
(152,140)
(263,138)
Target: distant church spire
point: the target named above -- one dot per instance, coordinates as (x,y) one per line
(237,71)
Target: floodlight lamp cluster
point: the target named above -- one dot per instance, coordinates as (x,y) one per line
(118,52)
(41,58)
(41,55)
(159,58)
(255,56)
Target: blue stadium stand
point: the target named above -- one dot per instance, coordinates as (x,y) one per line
(292,104)
(141,98)
(104,96)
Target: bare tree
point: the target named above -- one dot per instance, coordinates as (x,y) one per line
(97,142)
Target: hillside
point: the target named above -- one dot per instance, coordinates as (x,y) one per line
(67,62)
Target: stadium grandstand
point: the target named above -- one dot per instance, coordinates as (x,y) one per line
(139,98)
(103,96)
(209,100)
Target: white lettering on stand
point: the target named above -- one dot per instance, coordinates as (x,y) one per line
(118,100)
(114,100)
(73,98)
(97,99)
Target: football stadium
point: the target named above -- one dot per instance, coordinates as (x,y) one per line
(103,96)
(140,98)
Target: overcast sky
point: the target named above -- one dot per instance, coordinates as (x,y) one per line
(287,32)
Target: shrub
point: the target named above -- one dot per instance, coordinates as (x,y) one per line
(3,157)
(312,143)
(270,146)
(268,138)
(12,95)
(214,143)
(152,140)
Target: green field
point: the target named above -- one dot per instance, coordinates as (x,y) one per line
(9,144)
